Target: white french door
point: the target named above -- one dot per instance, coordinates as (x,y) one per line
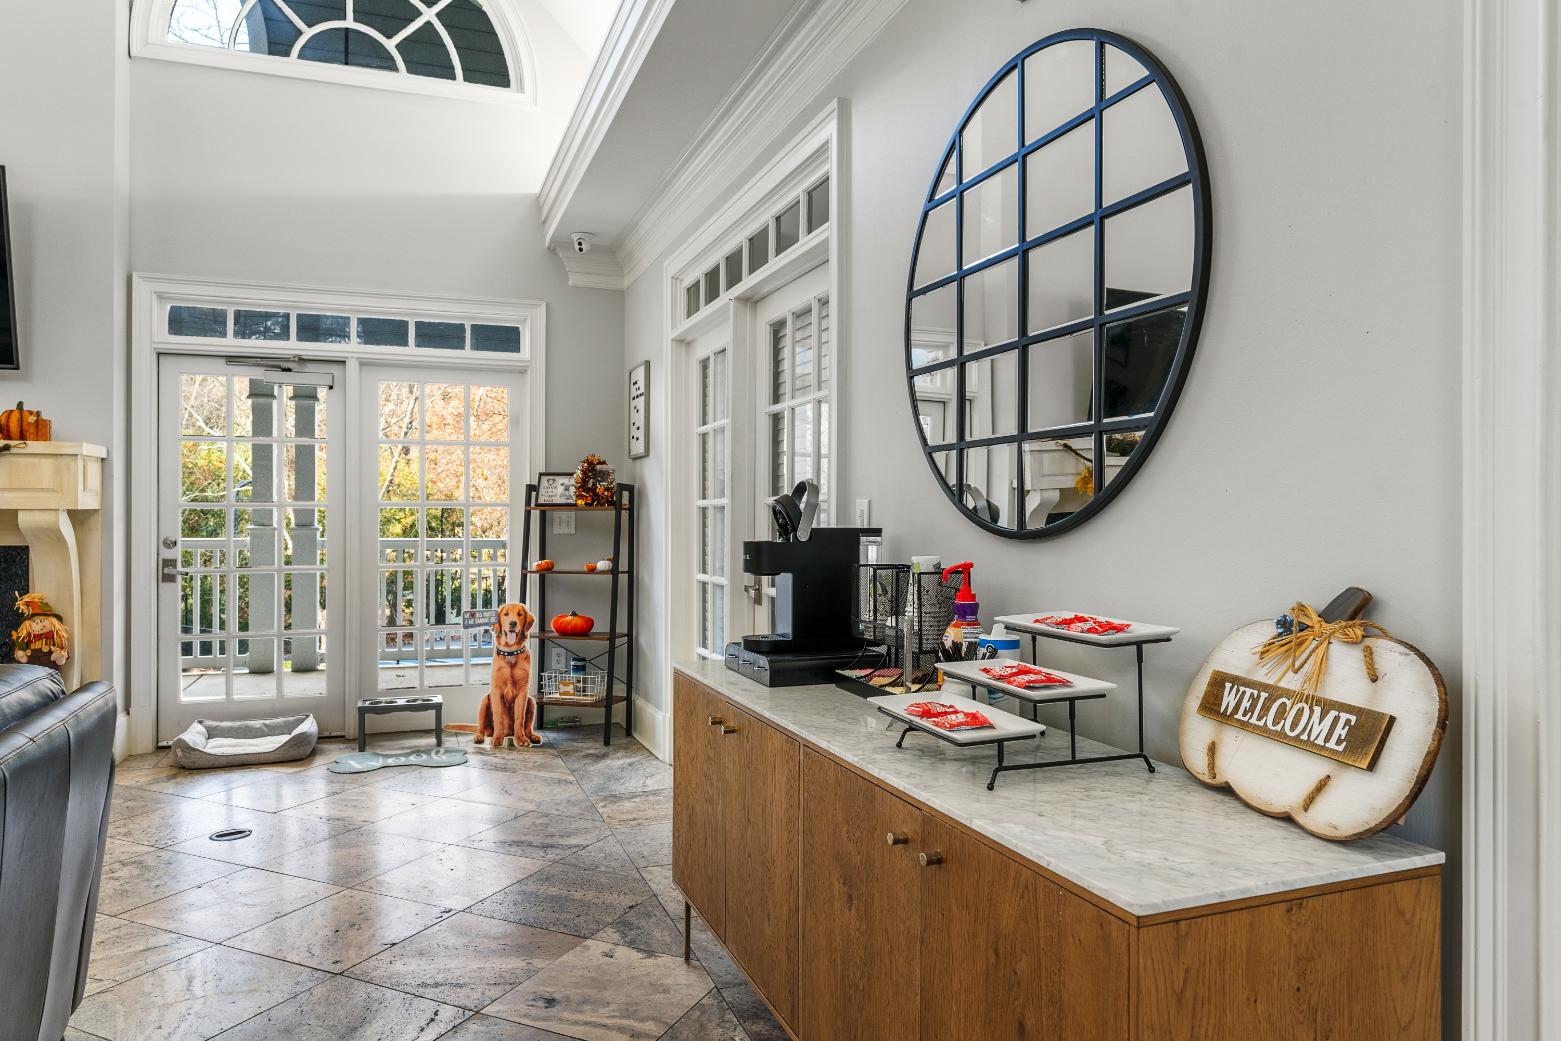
(262,470)
(245,496)
(712,370)
(449,457)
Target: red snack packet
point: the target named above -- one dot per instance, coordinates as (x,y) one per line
(930,709)
(960,721)
(1088,625)
(1021,674)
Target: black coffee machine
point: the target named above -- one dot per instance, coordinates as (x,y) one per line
(815,575)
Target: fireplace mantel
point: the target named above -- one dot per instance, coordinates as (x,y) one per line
(51,501)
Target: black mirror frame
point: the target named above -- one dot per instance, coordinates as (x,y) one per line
(1196,297)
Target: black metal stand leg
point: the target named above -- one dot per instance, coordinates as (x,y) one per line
(1073,730)
(439,726)
(688,932)
(901,742)
(992,782)
(363,733)
(1140,649)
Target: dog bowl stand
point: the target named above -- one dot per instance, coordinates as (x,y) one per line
(413,703)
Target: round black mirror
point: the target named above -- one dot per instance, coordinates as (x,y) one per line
(1057,283)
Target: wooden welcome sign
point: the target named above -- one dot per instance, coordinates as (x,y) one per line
(1345,759)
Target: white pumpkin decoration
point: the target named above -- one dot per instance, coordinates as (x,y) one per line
(1328,798)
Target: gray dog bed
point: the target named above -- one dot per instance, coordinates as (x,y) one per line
(209,743)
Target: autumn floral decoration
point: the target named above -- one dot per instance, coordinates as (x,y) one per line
(594,482)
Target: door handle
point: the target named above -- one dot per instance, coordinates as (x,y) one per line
(931,859)
(171,569)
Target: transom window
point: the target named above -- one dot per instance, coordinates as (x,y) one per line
(457,41)
(345,327)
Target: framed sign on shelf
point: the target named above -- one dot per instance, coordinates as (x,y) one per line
(555,489)
(639,411)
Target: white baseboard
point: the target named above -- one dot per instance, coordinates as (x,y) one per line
(651,729)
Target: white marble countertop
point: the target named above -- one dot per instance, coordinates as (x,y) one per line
(1147,843)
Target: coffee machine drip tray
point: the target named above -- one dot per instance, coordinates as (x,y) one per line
(788,668)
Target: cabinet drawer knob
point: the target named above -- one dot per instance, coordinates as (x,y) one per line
(727,730)
(896,839)
(930,859)
(714,721)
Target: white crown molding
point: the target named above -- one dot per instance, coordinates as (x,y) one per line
(809,49)
(595,270)
(623,52)
(1511,870)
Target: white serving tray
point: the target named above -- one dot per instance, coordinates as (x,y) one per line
(1141,632)
(1076,687)
(1005,725)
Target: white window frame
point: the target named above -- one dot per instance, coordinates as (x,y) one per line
(149,39)
(797,166)
(152,295)
(716,429)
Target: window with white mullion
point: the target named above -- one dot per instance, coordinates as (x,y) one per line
(712,439)
(796,419)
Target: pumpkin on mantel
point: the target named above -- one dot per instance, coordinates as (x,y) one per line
(24,424)
(573,624)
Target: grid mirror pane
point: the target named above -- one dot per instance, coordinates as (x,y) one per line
(443,491)
(1053,294)
(252,539)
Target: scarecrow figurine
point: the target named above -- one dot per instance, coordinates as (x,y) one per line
(41,634)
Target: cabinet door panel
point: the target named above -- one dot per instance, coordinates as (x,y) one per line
(1014,954)
(762,841)
(861,918)
(698,802)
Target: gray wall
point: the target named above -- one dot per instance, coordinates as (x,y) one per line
(1316,444)
(63,143)
(263,178)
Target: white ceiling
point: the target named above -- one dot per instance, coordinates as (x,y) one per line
(585,21)
(698,55)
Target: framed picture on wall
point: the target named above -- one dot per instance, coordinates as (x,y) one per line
(555,489)
(639,411)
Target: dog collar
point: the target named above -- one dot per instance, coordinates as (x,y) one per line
(509,654)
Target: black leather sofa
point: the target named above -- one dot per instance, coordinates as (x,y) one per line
(56,772)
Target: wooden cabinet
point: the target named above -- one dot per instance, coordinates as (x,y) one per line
(861,921)
(1014,954)
(812,874)
(762,844)
(735,787)
(699,802)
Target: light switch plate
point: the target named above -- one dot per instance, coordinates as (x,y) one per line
(563,523)
(864,510)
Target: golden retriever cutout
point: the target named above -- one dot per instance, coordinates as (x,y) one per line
(508,712)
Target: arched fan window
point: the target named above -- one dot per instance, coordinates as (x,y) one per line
(421,42)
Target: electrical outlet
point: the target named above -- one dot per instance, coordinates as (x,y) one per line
(557,659)
(864,511)
(563,523)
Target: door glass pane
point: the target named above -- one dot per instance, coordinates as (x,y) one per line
(802,345)
(451,555)
(236,538)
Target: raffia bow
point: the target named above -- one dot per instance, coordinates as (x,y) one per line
(1306,647)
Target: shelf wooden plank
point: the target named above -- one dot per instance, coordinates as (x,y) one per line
(545,507)
(576,702)
(594,637)
(561,571)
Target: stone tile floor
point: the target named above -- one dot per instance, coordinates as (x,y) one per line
(524,896)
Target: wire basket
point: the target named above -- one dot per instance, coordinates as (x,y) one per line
(901,616)
(574,686)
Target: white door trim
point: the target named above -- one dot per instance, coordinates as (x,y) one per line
(771,183)
(148,291)
(1511,862)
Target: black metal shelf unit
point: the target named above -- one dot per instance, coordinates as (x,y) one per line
(620,628)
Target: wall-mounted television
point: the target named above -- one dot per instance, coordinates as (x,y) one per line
(10,353)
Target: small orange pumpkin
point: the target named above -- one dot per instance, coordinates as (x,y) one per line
(24,424)
(544,565)
(573,624)
(589,568)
